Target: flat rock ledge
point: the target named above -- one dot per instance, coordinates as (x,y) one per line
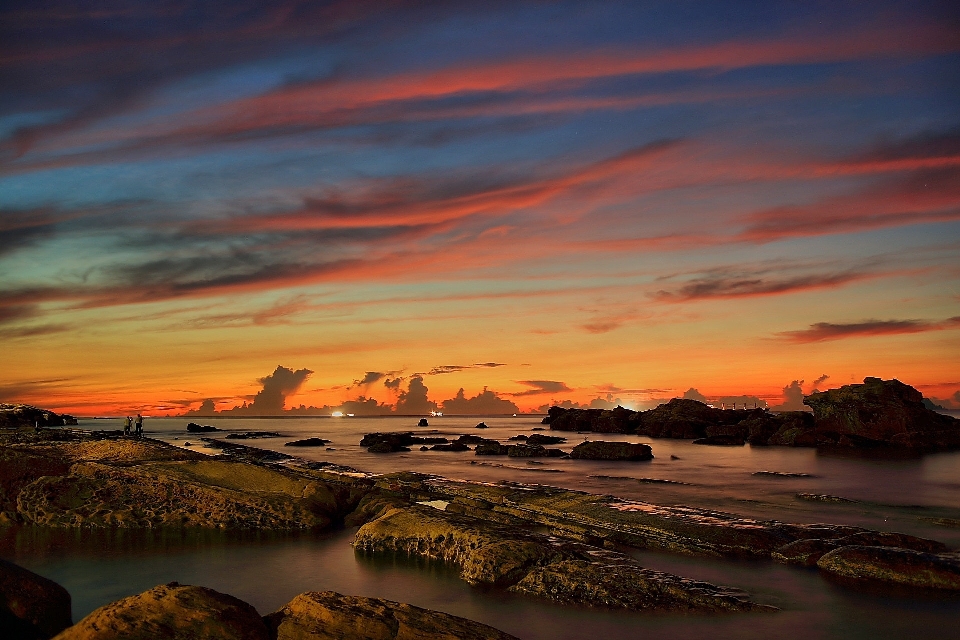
(893,566)
(534,564)
(329,615)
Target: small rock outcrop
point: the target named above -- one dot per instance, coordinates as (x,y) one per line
(308,442)
(423,423)
(881,413)
(600,450)
(392,441)
(193,427)
(329,615)
(893,565)
(172,612)
(31,606)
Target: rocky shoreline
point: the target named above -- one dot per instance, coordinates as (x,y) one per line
(558,545)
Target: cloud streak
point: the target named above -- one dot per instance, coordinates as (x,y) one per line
(824,331)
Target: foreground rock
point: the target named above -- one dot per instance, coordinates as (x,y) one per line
(525,562)
(894,566)
(172,612)
(600,450)
(881,413)
(31,607)
(329,615)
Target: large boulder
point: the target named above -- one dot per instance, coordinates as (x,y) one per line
(600,450)
(683,418)
(31,606)
(881,413)
(618,420)
(329,615)
(172,612)
(893,565)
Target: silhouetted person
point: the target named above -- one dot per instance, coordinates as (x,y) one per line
(139,426)
(126,425)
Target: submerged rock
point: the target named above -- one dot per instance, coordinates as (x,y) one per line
(893,565)
(721,441)
(600,450)
(172,612)
(308,442)
(31,606)
(453,446)
(254,435)
(881,413)
(329,615)
(507,556)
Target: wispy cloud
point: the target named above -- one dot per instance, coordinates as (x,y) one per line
(823,331)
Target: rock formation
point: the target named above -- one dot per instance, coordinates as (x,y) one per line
(881,413)
(893,565)
(875,414)
(172,612)
(534,564)
(193,427)
(19,416)
(600,450)
(332,616)
(31,607)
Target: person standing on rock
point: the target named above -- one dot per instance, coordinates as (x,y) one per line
(126,425)
(139,426)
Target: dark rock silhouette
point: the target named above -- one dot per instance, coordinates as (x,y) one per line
(392,441)
(193,427)
(19,416)
(884,413)
(878,414)
(423,423)
(600,450)
(308,442)
(31,606)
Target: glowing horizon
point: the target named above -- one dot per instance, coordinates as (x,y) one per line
(568,201)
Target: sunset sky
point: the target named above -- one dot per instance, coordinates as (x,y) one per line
(555,201)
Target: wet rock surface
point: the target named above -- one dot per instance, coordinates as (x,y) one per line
(601,450)
(174,612)
(393,441)
(893,565)
(31,606)
(525,562)
(329,615)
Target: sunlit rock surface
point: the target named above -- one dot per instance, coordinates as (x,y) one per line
(172,612)
(329,615)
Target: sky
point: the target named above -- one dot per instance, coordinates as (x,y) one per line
(475,206)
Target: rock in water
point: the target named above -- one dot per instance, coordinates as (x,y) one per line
(423,423)
(893,565)
(193,427)
(30,605)
(329,615)
(600,450)
(505,555)
(881,413)
(175,612)
(308,442)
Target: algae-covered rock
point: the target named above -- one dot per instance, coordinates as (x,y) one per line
(508,556)
(805,553)
(172,612)
(31,606)
(881,413)
(329,615)
(893,565)
(208,494)
(600,450)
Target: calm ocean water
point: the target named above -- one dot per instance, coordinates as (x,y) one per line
(904,495)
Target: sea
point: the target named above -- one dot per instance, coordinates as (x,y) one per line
(915,495)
